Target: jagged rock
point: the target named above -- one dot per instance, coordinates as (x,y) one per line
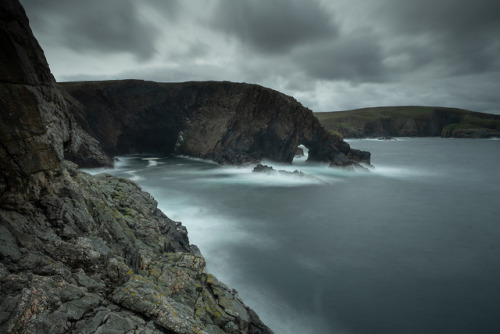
(36,128)
(259,168)
(99,242)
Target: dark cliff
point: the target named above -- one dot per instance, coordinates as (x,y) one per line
(411,122)
(221,121)
(81,253)
(36,127)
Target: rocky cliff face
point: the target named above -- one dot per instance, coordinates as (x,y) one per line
(81,253)
(86,254)
(221,121)
(36,128)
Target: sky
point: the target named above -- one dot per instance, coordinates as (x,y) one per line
(329,54)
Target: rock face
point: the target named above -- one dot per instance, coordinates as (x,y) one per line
(411,122)
(36,129)
(81,253)
(86,254)
(221,121)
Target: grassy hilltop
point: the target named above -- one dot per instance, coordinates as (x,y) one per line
(411,121)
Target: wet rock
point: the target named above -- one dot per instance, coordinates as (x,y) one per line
(124,271)
(299,152)
(259,168)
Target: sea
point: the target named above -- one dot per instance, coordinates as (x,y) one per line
(409,245)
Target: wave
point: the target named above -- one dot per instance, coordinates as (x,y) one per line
(210,173)
(399,172)
(152,161)
(209,230)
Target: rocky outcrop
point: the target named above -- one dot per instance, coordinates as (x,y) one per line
(221,121)
(411,122)
(259,168)
(36,129)
(81,253)
(86,254)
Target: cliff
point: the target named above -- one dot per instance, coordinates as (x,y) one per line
(221,121)
(81,253)
(411,122)
(36,128)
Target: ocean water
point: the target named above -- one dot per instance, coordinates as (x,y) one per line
(412,246)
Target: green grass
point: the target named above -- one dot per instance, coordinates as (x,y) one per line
(355,120)
(370,114)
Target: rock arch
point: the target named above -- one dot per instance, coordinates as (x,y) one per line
(221,121)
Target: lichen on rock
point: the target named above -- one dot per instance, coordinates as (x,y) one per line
(72,259)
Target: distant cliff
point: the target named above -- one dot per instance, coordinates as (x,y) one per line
(411,122)
(221,121)
(81,253)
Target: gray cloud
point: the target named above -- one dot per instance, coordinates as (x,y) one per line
(109,26)
(274,26)
(356,58)
(330,55)
(461,34)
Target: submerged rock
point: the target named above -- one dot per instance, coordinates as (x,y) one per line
(259,168)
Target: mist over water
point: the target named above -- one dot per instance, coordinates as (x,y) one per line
(412,246)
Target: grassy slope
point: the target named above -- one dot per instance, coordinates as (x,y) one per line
(345,121)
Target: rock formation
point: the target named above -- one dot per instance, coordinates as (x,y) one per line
(81,253)
(221,121)
(36,127)
(411,122)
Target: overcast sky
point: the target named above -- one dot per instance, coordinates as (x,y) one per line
(328,54)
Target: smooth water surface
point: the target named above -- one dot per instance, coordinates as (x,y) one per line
(413,246)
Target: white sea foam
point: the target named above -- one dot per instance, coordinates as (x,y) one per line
(133,175)
(197,159)
(244,175)
(208,229)
(400,172)
(152,161)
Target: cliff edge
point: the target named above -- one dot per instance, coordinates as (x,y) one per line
(81,253)
(411,121)
(222,121)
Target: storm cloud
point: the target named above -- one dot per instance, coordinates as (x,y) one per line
(88,26)
(330,55)
(274,26)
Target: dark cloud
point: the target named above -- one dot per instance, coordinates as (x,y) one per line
(357,58)
(330,55)
(109,26)
(462,35)
(274,26)
(451,17)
